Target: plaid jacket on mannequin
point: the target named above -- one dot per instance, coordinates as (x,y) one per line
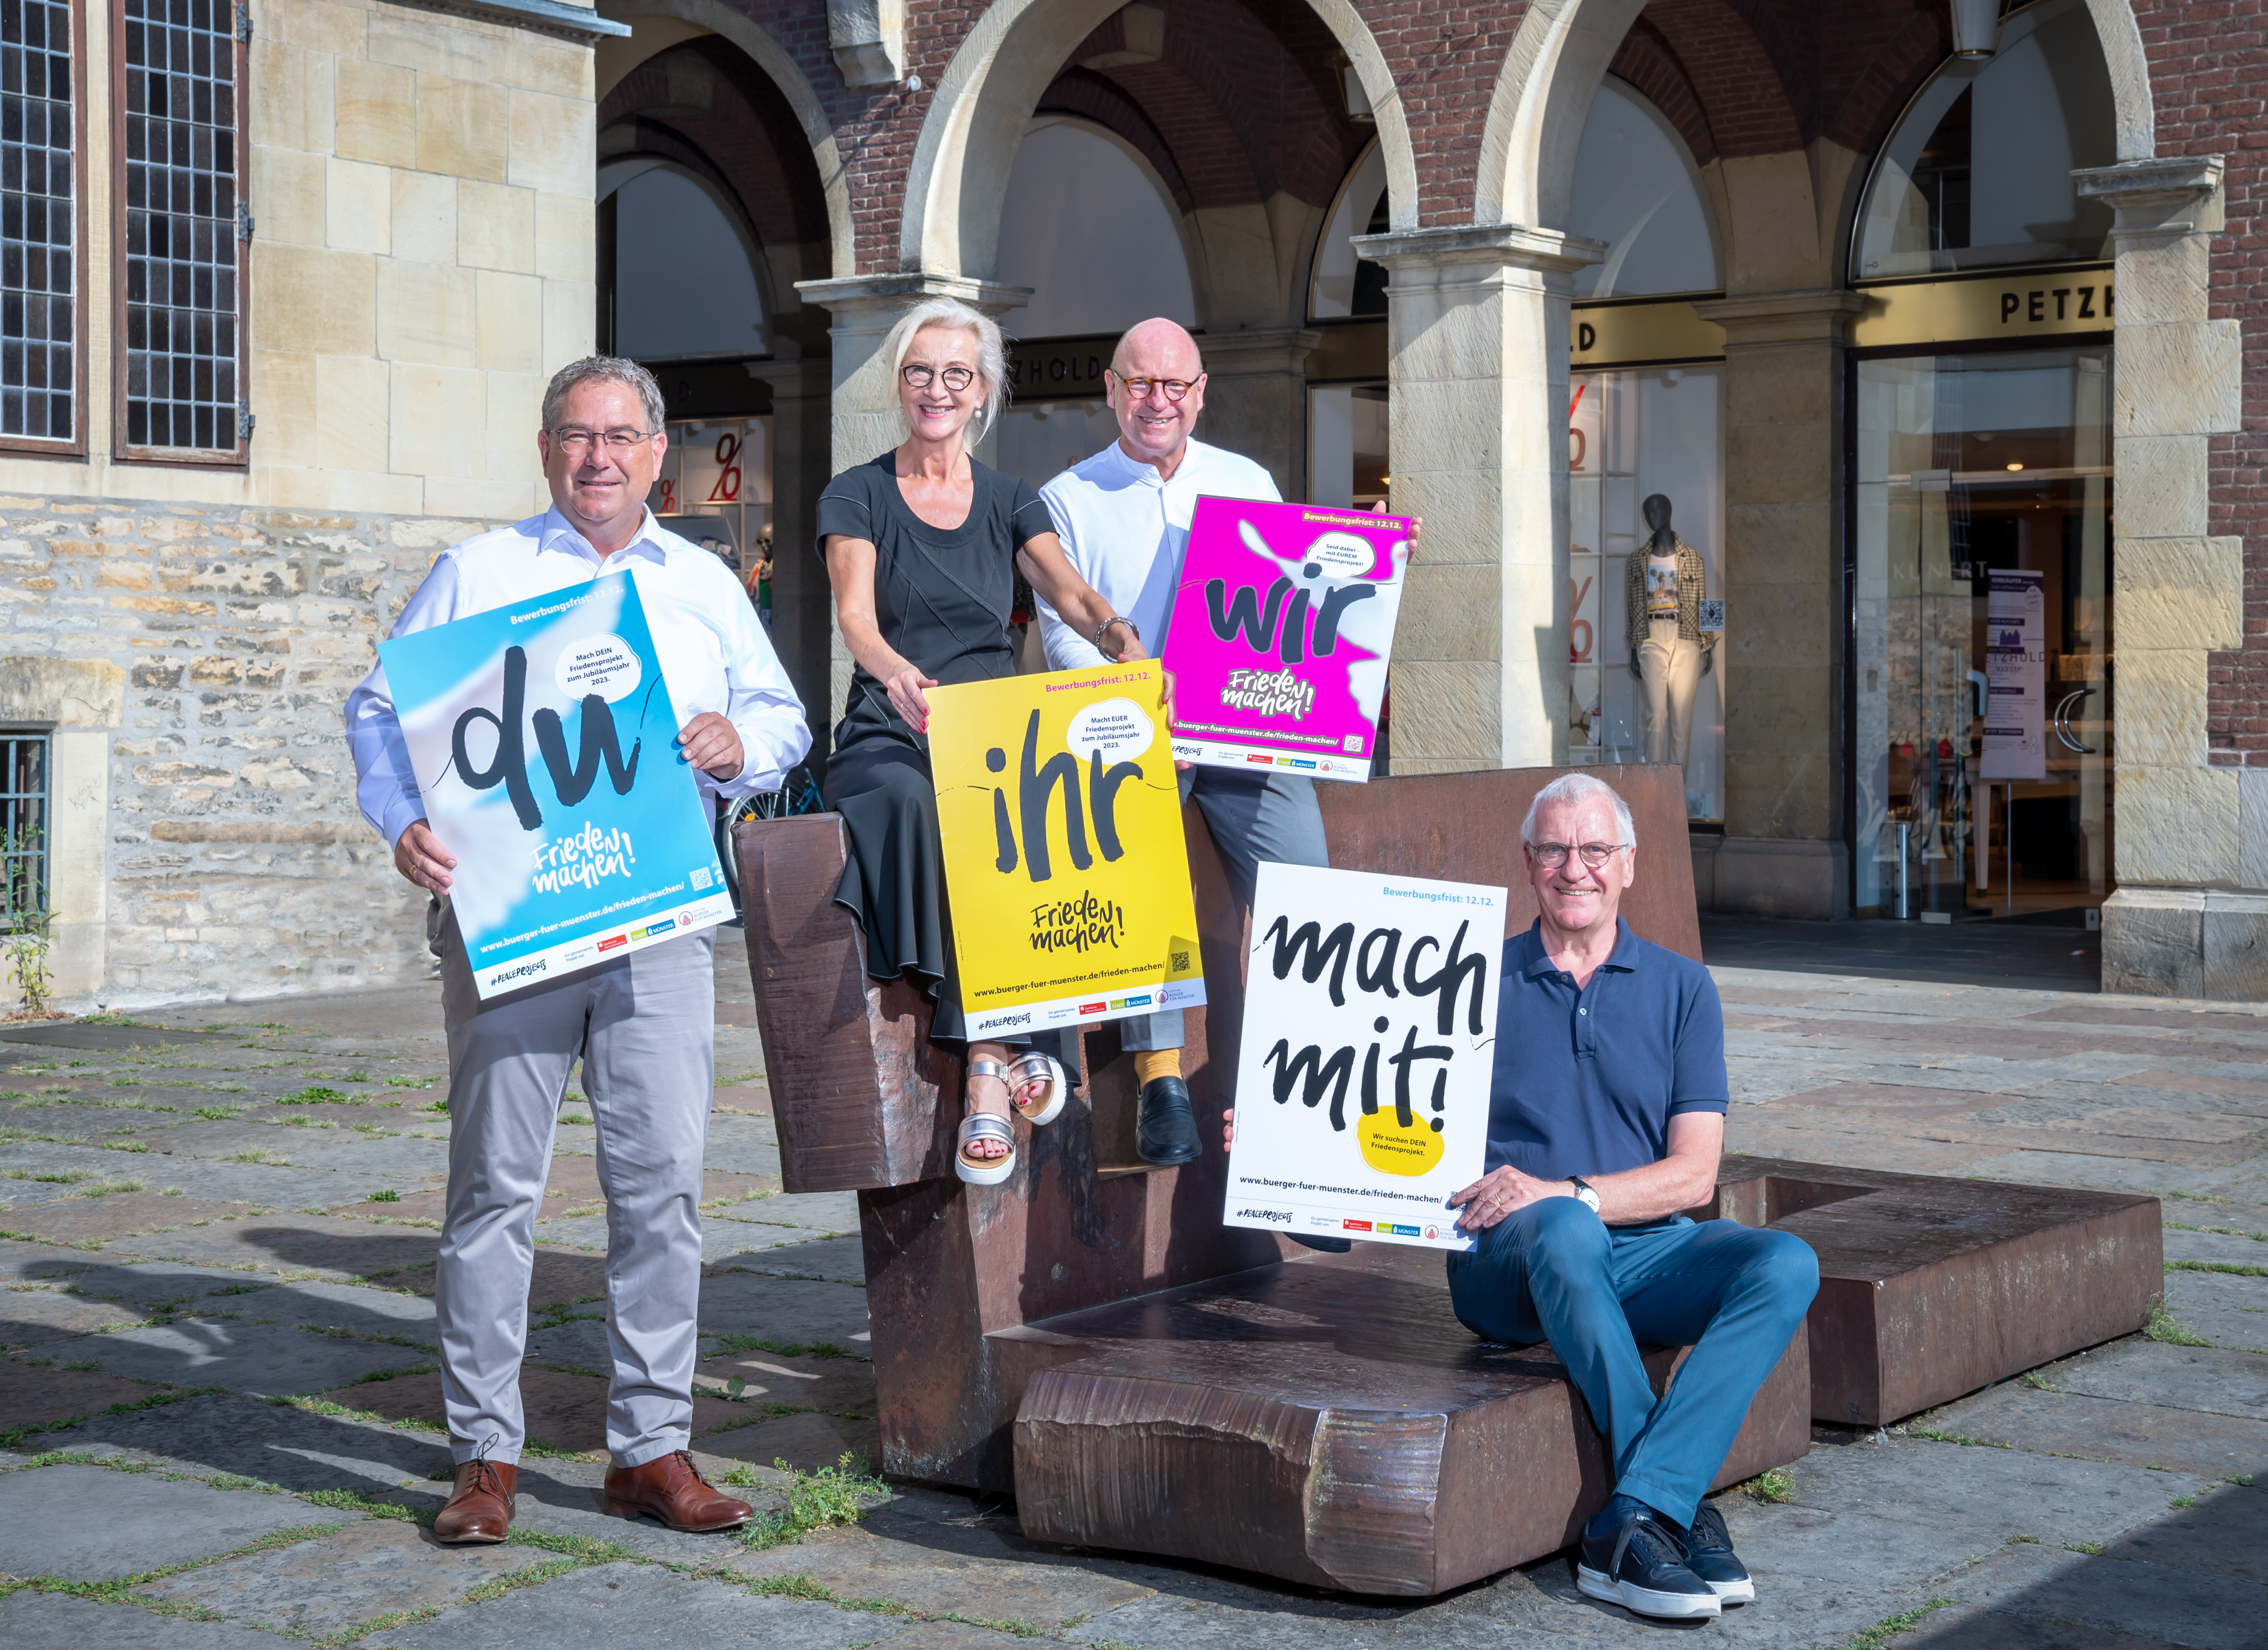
(1692,582)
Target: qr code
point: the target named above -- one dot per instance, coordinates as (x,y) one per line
(1354,744)
(702,876)
(1713,613)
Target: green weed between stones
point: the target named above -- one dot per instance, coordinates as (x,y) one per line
(2090,1548)
(318,1096)
(778,1349)
(1772,1488)
(2239,1269)
(411,1082)
(815,1501)
(386,1194)
(802,1586)
(2224,1231)
(1935,1436)
(1883,1632)
(2164,1326)
(120,1588)
(15,1436)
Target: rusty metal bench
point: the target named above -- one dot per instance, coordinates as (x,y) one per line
(1089,1337)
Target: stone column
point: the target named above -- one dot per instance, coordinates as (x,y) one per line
(2189,917)
(803,612)
(864,421)
(1785,609)
(1256,399)
(1477,331)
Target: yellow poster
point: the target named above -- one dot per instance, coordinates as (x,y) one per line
(1064,858)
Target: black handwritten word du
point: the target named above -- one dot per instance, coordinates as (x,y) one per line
(571,780)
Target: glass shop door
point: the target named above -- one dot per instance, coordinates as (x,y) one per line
(1981,638)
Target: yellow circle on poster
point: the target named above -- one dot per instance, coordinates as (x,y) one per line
(1390,1149)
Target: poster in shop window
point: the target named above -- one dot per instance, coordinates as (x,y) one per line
(1065,864)
(544,742)
(1281,629)
(1362,1081)
(2015,679)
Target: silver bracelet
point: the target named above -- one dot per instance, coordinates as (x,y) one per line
(1114,619)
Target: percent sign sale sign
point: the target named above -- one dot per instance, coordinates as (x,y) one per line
(543,739)
(1362,1082)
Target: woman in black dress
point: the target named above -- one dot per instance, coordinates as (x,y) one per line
(922,546)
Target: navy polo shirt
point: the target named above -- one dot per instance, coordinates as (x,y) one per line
(1586,1081)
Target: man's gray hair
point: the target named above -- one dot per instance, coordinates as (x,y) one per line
(604,369)
(1577,787)
(952,315)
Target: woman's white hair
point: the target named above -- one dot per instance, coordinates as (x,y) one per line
(953,315)
(1577,787)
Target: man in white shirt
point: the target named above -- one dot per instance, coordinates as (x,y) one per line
(643,1026)
(1124,517)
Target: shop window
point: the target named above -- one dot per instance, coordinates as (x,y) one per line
(1645,451)
(1981,647)
(183,232)
(685,281)
(40,396)
(1344,286)
(1637,190)
(1978,175)
(1087,225)
(715,487)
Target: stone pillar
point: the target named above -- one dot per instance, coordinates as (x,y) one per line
(864,423)
(2189,917)
(1256,399)
(803,612)
(1786,617)
(1477,331)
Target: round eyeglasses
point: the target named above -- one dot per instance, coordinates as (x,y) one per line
(1552,855)
(1140,388)
(957,379)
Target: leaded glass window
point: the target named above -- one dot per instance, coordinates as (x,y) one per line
(38,222)
(182,226)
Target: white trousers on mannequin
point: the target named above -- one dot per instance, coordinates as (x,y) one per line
(1669,670)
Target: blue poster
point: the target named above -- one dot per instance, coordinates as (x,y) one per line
(543,739)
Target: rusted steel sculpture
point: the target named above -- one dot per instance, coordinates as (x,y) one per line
(1088,1335)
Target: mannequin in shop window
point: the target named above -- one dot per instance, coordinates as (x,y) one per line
(1669,652)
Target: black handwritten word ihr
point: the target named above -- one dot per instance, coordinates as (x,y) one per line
(1377,962)
(1245,613)
(571,780)
(1035,782)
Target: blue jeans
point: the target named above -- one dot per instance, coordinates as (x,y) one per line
(1735,1294)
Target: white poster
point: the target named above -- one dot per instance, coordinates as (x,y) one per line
(1369,1036)
(2015,680)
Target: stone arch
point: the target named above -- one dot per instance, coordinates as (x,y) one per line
(2121,37)
(982,101)
(719,17)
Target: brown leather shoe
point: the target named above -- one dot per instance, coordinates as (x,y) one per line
(480,1507)
(672,1490)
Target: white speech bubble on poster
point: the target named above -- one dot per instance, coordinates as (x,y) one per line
(1363,1075)
(605,664)
(1120,729)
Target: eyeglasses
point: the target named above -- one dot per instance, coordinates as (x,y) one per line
(957,379)
(1140,388)
(576,443)
(1552,855)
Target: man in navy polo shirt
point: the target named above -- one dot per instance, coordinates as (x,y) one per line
(1607,1118)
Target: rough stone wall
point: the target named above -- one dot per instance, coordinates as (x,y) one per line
(237,864)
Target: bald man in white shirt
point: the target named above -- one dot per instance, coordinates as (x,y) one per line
(1124,517)
(643,1026)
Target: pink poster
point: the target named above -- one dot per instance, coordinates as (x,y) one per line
(1278,642)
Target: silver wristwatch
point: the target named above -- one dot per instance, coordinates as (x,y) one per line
(1584,1194)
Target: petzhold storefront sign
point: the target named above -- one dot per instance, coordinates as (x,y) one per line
(1065,864)
(1281,627)
(1362,1082)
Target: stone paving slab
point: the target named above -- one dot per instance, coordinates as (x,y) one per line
(265,1359)
(34,1395)
(831,1385)
(2226,1535)
(2121,1595)
(48,1621)
(841,1260)
(150,1285)
(809,1441)
(97,1524)
(2227,1311)
(98,1220)
(369,1569)
(2179,1441)
(2207,1379)
(620,1604)
(250,1437)
(294,1243)
(30,1316)
(565,1411)
(858,1563)
(31,1194)
(828,1212)
(790,1310)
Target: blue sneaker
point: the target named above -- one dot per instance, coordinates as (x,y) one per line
(1709,1554)
(1633,1557)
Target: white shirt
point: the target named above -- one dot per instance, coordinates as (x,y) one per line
(714,654)
(1126,529)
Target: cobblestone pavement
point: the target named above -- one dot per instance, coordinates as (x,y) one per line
(217,1398)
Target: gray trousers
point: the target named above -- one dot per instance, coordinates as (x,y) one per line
(1252,817)
(645,1028)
